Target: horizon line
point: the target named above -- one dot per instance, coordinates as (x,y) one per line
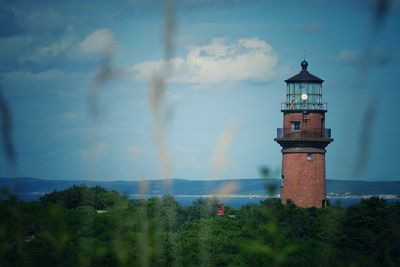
(184,179)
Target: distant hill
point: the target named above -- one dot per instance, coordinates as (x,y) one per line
(32,188)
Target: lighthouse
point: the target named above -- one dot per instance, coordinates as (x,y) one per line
(304,139)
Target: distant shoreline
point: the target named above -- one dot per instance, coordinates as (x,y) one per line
(257,189)
(263,196)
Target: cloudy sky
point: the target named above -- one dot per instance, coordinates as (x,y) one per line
(192,89)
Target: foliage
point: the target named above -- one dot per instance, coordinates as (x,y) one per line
(75,196)
(83,226)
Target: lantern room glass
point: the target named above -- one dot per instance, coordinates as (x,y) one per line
(294,92)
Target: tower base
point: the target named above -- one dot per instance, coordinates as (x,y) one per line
(303,177)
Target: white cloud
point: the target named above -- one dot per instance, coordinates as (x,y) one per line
(99,42)
(22,51)
(61,45)
(355,56)
(217,62)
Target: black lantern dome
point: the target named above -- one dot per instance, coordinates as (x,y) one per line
(304,76)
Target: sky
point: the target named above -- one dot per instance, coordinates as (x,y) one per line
(135,89)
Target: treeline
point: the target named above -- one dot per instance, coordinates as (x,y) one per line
(90,226)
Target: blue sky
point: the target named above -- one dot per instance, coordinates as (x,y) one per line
(218,113)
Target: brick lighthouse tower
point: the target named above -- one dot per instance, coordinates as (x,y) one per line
(303,139)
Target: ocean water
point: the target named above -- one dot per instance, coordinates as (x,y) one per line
(228,201)
(240,201)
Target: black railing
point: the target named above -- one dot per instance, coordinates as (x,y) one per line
(304,106)
(304,133)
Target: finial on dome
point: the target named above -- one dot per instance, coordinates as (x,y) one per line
(304,65)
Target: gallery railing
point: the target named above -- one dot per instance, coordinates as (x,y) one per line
(304,133)
(304,106)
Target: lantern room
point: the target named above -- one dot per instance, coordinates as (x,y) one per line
(304,91)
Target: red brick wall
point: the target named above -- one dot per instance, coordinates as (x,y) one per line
(304,180)
(314,120)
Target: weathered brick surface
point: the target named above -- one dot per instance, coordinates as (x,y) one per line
(314,121)
(304,180)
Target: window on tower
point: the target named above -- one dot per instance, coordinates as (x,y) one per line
(295,125)
(309,156)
